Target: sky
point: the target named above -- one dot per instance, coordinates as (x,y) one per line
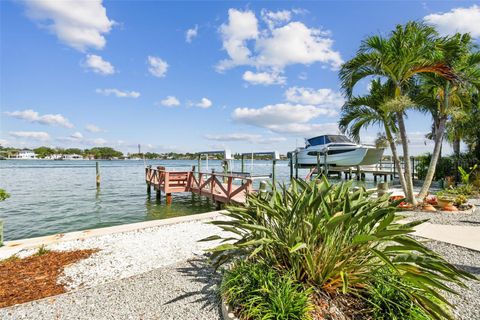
(193,76)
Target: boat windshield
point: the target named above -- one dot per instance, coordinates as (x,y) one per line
(316,141)
(338,138)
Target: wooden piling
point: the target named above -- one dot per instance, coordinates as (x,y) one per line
(169,198)
(97,169)
(274,161)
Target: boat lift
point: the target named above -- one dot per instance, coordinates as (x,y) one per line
(227,156)
(293,159)
(273,154)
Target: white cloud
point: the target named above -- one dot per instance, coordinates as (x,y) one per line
(235,137)
(241,26)
(279,114)
(191,33)
(157,66)
(118,93)
(170,101)
(93,128)
(77,135)
(79,24)
(34,135)
(204,103)
(320,97)
(98,65)
(463,20)
(47,119)
(283,43)
(263,78)
(275,18)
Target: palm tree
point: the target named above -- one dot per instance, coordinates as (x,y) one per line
(447,99)
(409,51)
(361,112)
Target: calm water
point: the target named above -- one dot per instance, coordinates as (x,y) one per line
(49,197)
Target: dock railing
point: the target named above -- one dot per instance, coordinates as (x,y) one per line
(206,184)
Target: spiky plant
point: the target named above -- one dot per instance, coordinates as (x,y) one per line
(336,238)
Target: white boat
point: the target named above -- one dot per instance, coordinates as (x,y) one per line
(338,151)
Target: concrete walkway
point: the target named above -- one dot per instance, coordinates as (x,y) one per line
(464,236)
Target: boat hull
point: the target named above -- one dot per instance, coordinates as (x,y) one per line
(360,156)
(347,158)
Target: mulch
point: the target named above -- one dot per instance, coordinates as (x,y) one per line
(35,277)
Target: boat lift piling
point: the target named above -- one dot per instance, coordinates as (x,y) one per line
(275,156)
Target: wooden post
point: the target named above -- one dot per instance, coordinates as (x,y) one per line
(273,174)
(97,169)
(296,165)
(147,179)
(318,164)
(169,198)
(358,172)
(325,164)
(199,164)
(291,165)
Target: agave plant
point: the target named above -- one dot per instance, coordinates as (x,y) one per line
(335,239)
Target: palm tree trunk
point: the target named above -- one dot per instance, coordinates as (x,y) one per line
(456,146)
(406,158)
(435,156)
(396,159)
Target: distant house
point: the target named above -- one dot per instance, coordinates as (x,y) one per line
(26,154)
(72,157)
(55,156)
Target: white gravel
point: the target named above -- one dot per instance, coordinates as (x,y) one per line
(126,254)
(185,290)
(467,303)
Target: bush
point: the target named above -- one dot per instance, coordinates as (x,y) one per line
(388,303)
(259,292)
(4,195)
(334,239)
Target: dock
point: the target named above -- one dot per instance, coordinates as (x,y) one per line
(221,188)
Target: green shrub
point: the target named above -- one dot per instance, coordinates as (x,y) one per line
(3,195)
(389,303)
(334,239)
(259,292)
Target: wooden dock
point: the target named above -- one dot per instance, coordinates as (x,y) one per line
(219,187)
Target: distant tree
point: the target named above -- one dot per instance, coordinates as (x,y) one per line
(73,151)
(104,153)
(43,152)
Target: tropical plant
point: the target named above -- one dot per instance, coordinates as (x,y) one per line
(409,51)
(259,292)
(389,303)
(447,99)
(334,238)
(466,175)
(361,112)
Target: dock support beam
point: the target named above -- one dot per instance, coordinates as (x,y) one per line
(296,165)
(97,170)
(291,165)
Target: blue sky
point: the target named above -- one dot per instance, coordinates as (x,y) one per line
(190,76)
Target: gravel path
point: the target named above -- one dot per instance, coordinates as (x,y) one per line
(186,290)
(127,254)
(468,302)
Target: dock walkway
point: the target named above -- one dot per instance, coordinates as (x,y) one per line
(221,188)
